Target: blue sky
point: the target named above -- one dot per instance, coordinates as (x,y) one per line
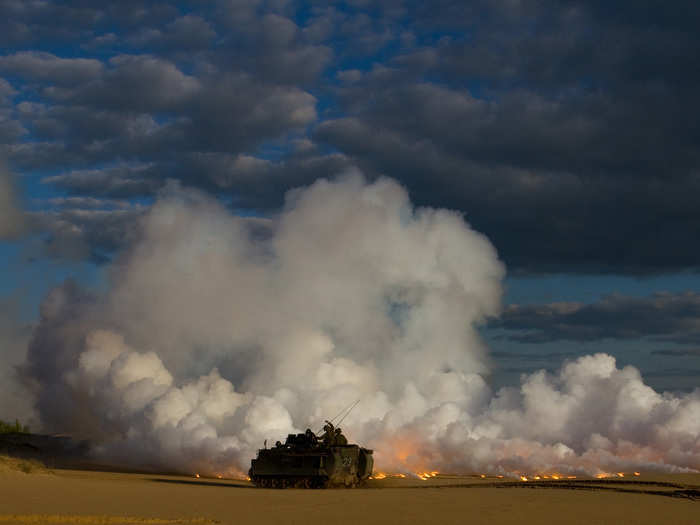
(563,131)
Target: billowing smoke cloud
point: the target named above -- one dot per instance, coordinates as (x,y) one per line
(15,402)
(218,332)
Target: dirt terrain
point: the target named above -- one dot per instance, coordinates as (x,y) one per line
(90,497)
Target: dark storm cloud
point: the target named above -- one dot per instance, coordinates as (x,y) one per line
(118,181)
(10,129)
(189,32)
(132,83)
(143,107)
(12,218)
(274,49)
(674,372)
(46,67)
(678,352)
(673,317)
(87,203)
(248,181)
(531,356)
(565,131)
(80,232)
(25,22)
(252,182)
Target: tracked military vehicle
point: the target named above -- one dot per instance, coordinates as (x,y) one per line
(310,461)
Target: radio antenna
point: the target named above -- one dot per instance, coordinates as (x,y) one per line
(339,414)
(347,413)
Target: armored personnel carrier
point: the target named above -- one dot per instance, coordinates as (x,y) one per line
(310,461)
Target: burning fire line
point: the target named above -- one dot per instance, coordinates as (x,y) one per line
(420,475)
(555,477)
(426,475)
(383,475)
(600,475)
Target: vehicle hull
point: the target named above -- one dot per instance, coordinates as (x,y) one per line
(319,467)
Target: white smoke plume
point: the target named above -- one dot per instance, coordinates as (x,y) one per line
(15,403)
(218,332)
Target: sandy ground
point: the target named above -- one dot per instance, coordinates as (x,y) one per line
(69,496)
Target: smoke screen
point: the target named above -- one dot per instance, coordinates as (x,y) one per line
(217,332)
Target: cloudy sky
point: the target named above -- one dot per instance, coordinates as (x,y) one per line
(564,131)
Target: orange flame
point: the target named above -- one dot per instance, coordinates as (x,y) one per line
(196,475)
(382,475)
(538,477)
(424,475)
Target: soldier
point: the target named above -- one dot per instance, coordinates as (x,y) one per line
(329,434)
(340,439)
(311,438)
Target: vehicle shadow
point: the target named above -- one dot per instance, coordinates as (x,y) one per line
(206,483)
